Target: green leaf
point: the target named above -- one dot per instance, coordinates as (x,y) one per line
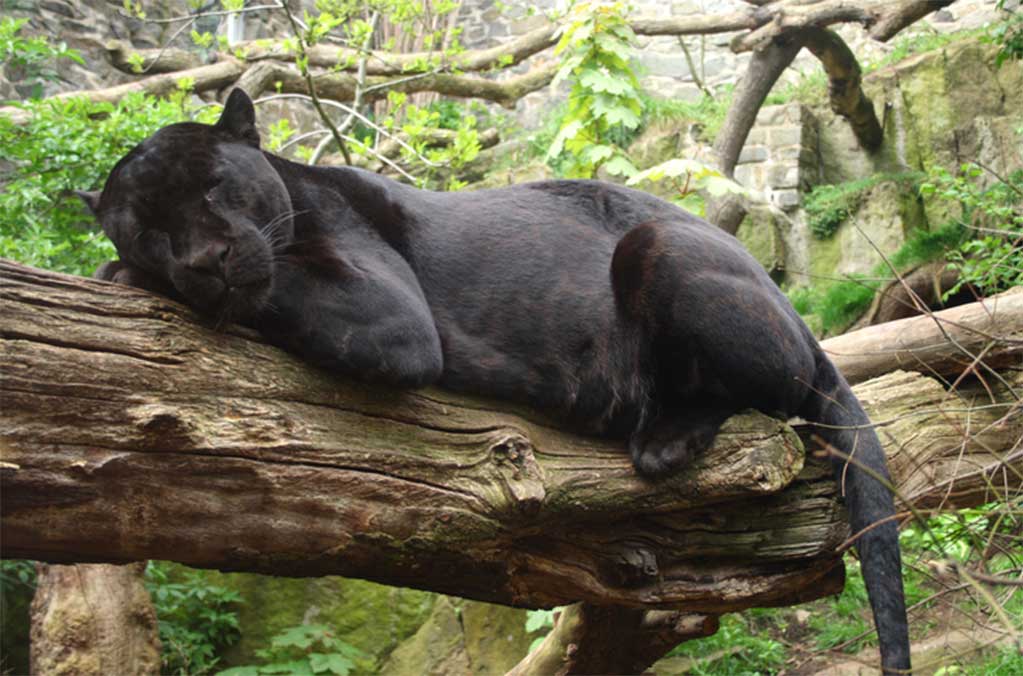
(615,112)
(239,671)
(539,619)
(603,81)
(721,185)
(567,132)
(333,663)
(595,154)
(620,166)
(291,668)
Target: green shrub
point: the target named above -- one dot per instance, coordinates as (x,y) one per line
(304,650)
(196,618)
(991,257)
(756,652)
(708,112)
(70,144)
(603,110)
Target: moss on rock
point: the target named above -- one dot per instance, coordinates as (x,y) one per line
(374,618)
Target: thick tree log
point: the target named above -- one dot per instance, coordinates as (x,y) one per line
(129,431)
(944,344)
(169,440)
(266,75)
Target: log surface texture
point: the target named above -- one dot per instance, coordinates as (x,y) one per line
(130,430)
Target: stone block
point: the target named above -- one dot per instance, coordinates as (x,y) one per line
(756,137)
(787,153)
(753,153)
(784,136)
(750,176)
(771,115)
(783,176)
(785,199)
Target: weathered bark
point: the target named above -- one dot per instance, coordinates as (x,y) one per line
(341,86)
(198,440)
(589,639)
(844,85)
(93,620)
(130,431)
(944,344)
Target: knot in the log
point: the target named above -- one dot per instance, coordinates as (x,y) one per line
(514,456)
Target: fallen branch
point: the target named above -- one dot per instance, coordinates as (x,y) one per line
(944,343)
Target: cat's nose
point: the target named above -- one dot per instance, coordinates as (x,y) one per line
(212,259)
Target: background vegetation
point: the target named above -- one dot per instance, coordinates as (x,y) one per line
(71,144)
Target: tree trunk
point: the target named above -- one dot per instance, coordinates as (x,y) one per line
(93,620)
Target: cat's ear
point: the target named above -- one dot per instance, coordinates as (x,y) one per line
(91,199)
(239,118)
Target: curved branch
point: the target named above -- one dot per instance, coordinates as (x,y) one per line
(589,639)
(844,85)
(763,71)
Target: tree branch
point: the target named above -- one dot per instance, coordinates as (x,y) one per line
(844,85)
(131,431)
(993,326)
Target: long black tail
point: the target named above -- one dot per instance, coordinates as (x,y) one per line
(845,426)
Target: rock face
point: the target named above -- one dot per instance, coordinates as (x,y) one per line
(462,638)
(373,618)
(940,108)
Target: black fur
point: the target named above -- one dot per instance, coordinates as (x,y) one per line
(622,313)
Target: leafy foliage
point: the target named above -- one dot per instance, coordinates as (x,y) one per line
(540,622)
(828,206)
(196,618)
(991,260)
(30,59)
(304,650)
(837,304)
(71,144)
(708,112)
(1008,34)
(603,104)
(687,177)
(745,641)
